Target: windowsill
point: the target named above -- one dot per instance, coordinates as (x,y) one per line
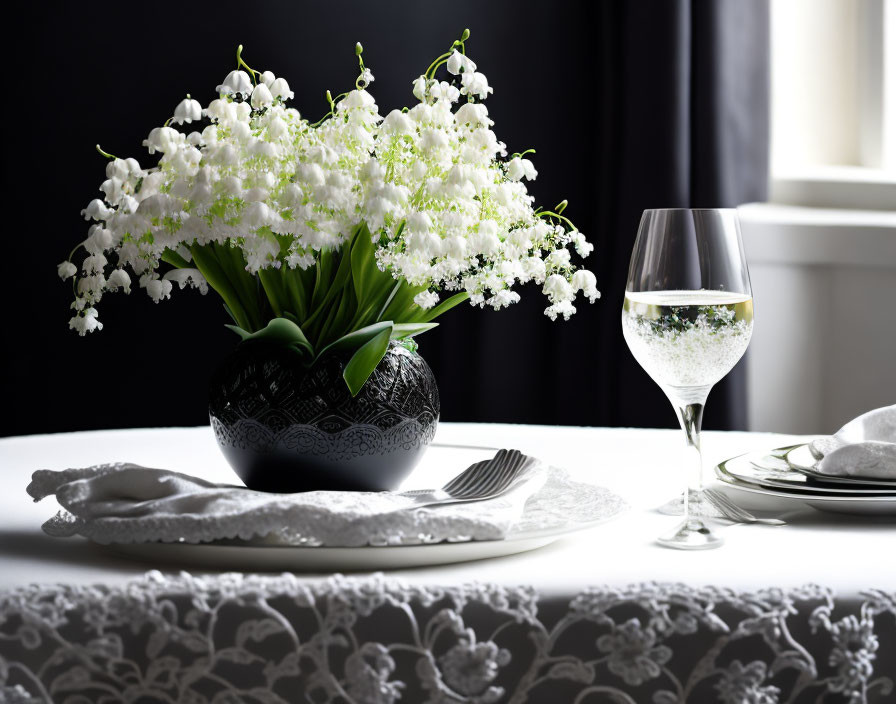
(850,187)
(797,235)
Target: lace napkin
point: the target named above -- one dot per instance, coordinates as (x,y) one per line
(127,503)
(865,447)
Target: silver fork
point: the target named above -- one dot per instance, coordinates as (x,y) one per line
(484,480)
(735,513)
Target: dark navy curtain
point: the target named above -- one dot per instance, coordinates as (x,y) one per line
(630,104)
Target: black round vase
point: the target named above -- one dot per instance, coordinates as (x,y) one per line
(286,428)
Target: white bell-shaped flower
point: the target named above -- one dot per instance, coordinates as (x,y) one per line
(585,281)
(561,308)
(66,270)
(458,62)
(472,114)
(158,289)
(237,82)
(397,123)
(420,88)
(94,264)
(112,188)
(187,110)
(280,89)
(261,97)
(188,277)
(119,279)
(117,168)
(444,91)
(534,269)
(426,299)
(85,322)
(268,77)
(558,289)
(503,298)
(475,83)
(518,168)
(96,210)
(558,259)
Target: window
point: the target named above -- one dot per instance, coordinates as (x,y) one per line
(833,116)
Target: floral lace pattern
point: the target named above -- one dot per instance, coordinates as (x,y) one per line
(243,638)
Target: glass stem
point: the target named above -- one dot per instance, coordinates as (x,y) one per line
(690,416)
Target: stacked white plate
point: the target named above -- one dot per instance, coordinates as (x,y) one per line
(792,473)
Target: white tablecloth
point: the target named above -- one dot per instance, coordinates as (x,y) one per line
(602,615)
(845,553)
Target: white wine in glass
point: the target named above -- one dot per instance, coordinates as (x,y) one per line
(687,318)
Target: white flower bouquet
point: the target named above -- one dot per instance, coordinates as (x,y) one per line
(343,233)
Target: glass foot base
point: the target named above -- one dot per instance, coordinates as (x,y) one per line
(691,535)
(698,506)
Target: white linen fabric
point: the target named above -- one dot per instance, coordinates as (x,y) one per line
(236,638)
(127,503)
(865,447)
(534,626)
(645,466)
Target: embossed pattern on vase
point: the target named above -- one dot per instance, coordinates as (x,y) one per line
(265,402)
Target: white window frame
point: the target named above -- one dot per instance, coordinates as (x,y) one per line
(833,131)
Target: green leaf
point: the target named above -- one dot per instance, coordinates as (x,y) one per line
(271,285)
(281,331)
(295,290)
(445,306)
(363,260)
(405,330)
(169,256)
(364,361)
(395,289)
(209,267)
(326,285)
(356,338)
(239,331)
(402,308)
(233,264)
(230,313)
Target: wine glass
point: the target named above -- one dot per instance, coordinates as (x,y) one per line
(687,319)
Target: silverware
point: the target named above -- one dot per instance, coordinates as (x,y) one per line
(484,480)
(733,512)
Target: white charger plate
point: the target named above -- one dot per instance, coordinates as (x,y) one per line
(326,559)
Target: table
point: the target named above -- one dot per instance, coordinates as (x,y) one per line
(604,615)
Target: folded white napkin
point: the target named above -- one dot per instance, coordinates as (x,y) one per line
(126,503)
(865,447)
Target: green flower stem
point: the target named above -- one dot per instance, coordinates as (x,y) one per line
(522,154)
(240,62)
(552,214)
(105,154)
(443,59)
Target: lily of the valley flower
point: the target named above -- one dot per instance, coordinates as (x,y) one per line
(446,212)
(236,83)
(187,110)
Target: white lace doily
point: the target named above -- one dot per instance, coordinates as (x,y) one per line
(125,503)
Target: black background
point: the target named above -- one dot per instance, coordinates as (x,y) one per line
(574,80)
